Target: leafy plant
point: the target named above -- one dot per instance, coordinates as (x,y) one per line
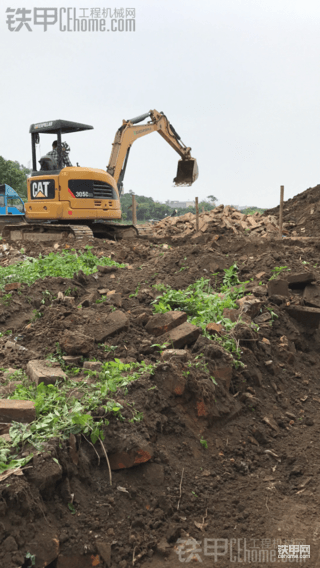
(69,407)
(203,305)
(31,558)
(204,443)
(63,264)
(277,270)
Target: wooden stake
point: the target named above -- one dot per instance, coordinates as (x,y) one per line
(197,215)
(281,209)
(134,211)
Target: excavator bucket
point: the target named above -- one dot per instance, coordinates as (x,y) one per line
(187,172)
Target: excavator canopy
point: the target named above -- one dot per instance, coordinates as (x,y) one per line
(187,172)
(54,126)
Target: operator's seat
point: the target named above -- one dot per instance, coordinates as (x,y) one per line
(47,163)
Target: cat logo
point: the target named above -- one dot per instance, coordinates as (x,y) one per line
(42,189)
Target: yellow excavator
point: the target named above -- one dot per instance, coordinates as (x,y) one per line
(85,202)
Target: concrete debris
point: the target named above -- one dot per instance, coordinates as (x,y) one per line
(43,372)
(213,221)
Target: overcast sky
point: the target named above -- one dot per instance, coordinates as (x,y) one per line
(238,79)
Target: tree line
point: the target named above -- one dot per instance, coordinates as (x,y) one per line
(15,175)
(148,209)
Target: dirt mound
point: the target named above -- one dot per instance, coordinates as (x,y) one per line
(206,448)
(301,214)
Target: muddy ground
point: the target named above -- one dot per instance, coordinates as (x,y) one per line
(257,480)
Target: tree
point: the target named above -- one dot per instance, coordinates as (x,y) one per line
(15,175)
(212,198)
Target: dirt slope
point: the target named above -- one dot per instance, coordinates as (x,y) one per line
(254,478)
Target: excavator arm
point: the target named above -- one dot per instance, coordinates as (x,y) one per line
(187,171)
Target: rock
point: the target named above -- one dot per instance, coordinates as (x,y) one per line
(310,317)
(309,421)
(231,314)
(92,365)
(17,410)
(75,343)
(78,561)
(311,296)
(12,345)
(260,291)
(277,299)
(142,319)
(9,545)
(263,318)
(162,323)
(71,360)
(214,328)
(224,374)
(89,299)
(278,288)
(115,323)
(185,334)
(107,269)
(163,548)
(301,279)
(179,354)
(104,550)
(116,300)
(43,372)
(249,305)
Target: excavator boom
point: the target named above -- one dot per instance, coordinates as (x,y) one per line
(187,171)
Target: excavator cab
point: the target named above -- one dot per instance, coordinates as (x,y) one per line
(57,127)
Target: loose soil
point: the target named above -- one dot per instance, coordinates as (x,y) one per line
(255,478)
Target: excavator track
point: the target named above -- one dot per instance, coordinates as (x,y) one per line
(45,232)
(38,232)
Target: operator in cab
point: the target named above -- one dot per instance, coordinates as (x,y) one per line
(65,151)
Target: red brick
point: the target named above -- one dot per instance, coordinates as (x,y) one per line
(201,408)
(17,410)
(180,336)
(130,458)
(115,323)
(162,323)
(12,286)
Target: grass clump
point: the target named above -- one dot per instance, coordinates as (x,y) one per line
(204,305)
(63,264)
(69,408)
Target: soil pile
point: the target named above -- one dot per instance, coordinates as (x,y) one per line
(206,448)
(301,214)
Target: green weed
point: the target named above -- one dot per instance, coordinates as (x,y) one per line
(60,412)
(63,264)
